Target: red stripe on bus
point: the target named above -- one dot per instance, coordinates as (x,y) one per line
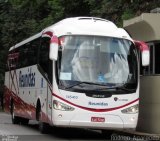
(54,39)
(141,45)
(96,110)
(49,33)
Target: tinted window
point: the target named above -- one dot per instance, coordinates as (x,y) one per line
(44,61)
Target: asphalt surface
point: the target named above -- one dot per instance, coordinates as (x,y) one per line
(30,132)
(16,132)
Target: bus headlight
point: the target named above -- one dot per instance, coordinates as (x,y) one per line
(131,110)
(61,106)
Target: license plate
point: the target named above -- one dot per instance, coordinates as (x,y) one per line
(97,119)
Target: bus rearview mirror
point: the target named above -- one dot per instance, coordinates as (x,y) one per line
(145,58)
(53,54)
(144,50)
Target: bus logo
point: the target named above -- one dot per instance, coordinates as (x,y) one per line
(27,79)
(97,103)
(98,96)
(115,99)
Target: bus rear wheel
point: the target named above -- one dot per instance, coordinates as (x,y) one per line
(15,119)
(24,121)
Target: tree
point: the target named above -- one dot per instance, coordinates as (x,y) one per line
(20,19)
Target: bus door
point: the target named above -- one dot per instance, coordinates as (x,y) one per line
(45,67)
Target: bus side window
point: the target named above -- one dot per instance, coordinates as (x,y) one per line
(44,61)
(12,60)
(32,51)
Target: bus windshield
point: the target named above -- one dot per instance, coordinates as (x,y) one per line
(97,60)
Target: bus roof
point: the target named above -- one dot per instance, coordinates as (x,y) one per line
(87,26)
(81,26)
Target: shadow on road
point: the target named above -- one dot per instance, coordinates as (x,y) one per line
(71,133)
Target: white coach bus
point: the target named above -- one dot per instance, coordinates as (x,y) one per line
(80,72)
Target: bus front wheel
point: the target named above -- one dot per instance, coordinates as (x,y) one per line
(43,127)
(24,121)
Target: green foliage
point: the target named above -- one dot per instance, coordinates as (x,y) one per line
(127,14)
(74,8)
(20,19)
(56,10)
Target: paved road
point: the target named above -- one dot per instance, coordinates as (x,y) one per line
(13,132)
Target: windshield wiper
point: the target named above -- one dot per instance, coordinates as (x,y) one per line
(125,89)
(89,83)
(118,88)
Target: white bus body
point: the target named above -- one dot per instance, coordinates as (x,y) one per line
(91,81)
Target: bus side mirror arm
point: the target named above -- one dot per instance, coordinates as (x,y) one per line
(53,53)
